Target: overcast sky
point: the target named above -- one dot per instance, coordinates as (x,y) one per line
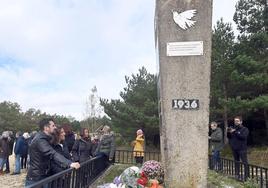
(52,52)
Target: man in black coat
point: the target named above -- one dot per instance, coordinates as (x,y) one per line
(237,136)
(216,145)
(41,152)
(11,141)
(3,152)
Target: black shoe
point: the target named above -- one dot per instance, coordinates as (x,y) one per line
(7,171)
(15,173)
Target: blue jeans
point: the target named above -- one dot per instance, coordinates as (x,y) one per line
(216,162)
(30,182)
(17,164)
(2,162)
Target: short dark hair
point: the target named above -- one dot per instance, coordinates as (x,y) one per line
(44,122)
(238,117)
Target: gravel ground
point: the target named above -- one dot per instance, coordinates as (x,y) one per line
(12,181)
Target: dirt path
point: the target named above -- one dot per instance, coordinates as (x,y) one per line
(13,181)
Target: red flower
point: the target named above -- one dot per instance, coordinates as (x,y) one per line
(143,175)
(142,181)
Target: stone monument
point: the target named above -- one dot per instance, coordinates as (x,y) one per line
(183,44)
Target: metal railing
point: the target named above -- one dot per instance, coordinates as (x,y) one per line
(91,170)
(128,157)
(83,177)
(240,171)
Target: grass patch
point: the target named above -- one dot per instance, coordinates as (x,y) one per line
(220,181)
(110,174)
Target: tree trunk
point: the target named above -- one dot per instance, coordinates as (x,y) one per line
(265,113)
(225,114)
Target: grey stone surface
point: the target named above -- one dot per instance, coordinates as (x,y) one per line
(184,133)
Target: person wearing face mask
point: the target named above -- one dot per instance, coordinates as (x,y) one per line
(237,136)
(216,144)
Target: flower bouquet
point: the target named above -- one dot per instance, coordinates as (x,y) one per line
(152,174)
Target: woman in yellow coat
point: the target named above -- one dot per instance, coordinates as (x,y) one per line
(138,150)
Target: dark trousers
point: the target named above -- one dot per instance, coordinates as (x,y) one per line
(7,165)
(216,162)
(241,156)
(23,161)
(139,160)
(103,162)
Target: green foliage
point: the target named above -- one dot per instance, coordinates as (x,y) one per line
(220,181)
(251,16)
(138,109)
(222,67)
(109,175)
(239,78)
(251,183)
(12,118)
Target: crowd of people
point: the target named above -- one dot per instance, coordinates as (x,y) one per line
(53,149)
(20,149)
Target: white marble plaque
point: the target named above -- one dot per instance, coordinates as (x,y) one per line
(185,48)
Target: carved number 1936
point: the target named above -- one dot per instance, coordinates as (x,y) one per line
(185,104)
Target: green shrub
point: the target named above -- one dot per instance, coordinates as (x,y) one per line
(251,183)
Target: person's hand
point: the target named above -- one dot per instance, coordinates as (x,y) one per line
(209,137)
(75,165)
(110,159)
(232,130)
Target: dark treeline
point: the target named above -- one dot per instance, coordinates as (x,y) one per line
(14,119)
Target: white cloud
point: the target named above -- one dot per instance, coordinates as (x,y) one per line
(60,49)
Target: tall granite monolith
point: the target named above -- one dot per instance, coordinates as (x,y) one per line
(183,44)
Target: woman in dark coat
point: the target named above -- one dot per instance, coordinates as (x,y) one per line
(69,136)
(106,145)
(82,148)
(106,148)
(59,146)
(3,152)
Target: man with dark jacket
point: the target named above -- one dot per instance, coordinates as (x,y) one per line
(3,152)
(11,140)
(18,152)
(82,148)
(216,144)
(41,153)
(237,136)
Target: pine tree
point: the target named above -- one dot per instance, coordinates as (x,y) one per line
(251,59)
(221,69)
(138,107)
